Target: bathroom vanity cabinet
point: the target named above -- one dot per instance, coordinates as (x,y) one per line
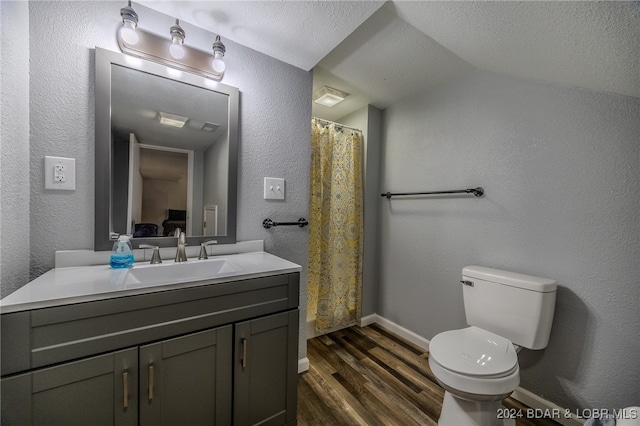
(221,353)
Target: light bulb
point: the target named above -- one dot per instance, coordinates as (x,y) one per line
(218,64)
(177,38)
(128,32)
(176,50)
(218,53)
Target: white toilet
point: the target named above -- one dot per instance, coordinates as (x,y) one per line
(478,365)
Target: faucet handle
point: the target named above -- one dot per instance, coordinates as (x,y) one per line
(155,258)
(203,249)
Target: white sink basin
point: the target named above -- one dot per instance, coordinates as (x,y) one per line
(179,272)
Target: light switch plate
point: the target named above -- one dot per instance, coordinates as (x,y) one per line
(273,189)
(60,173)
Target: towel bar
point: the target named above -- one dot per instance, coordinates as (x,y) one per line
(268,223)
(478,192)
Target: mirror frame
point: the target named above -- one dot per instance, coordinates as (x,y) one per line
(103,161)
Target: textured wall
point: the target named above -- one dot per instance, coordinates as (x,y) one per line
(561,170)
(14,146)
(62,38)
(275,115)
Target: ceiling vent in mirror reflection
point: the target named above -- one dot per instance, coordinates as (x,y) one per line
(209,127)
(169,51)
(172,119)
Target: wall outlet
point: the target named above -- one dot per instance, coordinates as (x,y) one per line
(273,189)
(60,173)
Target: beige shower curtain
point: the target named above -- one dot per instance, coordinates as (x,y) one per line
(335,227)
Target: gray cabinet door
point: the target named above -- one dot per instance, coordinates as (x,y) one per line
(265,370)
(187,380)
(99,391)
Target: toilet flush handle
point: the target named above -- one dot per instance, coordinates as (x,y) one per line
(469,283)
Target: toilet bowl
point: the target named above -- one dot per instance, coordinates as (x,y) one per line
(478,365)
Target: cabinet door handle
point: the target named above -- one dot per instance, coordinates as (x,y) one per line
(244,353)
(150,382)
(125,389)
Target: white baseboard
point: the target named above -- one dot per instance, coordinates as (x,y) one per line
(368,320)
(303,365)
(414,338)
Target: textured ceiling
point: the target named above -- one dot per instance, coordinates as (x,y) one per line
(384,60)
(594,45)
(382,52)
(299,33)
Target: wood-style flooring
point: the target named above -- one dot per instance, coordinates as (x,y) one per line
(369,376)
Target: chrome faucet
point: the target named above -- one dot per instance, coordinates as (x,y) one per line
(203,249)
(181,253)
(155,258)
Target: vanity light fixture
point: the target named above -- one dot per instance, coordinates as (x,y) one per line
(328,96)
(171,119)
(137,42)
(129,24)
(177,40)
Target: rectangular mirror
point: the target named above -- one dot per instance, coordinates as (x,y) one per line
(166,154)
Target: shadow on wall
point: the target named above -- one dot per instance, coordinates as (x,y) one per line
(570,345)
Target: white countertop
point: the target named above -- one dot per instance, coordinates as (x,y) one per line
(62,286)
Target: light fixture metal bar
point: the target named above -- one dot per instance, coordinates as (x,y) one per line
(156,48)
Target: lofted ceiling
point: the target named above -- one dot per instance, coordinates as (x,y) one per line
(381,52)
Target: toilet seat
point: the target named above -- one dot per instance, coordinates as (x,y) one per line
(474,364)
(473,351)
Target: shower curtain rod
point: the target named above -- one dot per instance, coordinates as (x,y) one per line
(327,122)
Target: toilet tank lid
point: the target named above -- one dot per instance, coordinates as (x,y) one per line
(529,282)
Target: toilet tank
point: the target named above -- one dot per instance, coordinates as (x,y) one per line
(516,306)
